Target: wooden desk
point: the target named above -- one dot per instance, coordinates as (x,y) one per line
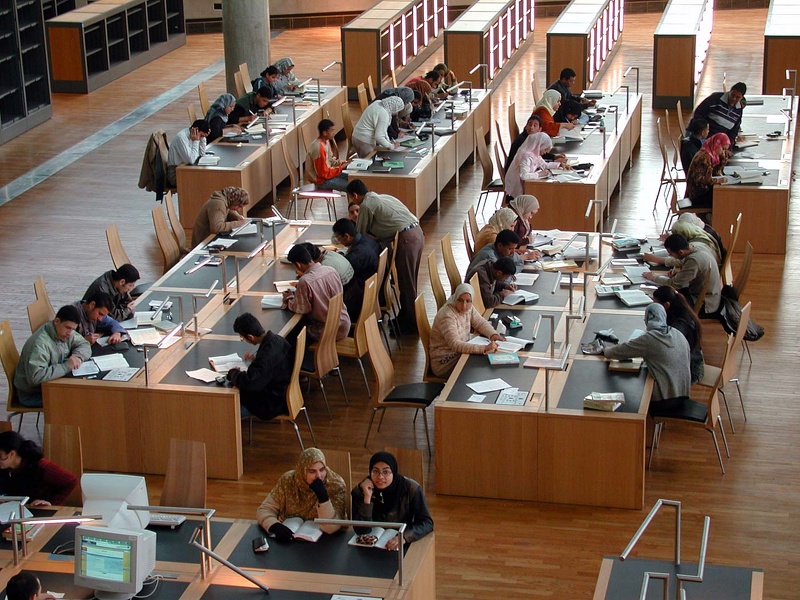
(781,45)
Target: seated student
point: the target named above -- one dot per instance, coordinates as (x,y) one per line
(26,586)
(25,472)
(334,260)
(425,85)
(450,332)
(314,290)
(533,125)
(250,105)
(546,109)
(117,284)
(217,116)
(568,112)
(310,491)
(563,86)
(529,161)
(262,388)
(95,320)
(362,254)
(723,111)
(502,219)
(286,81)
(447,79)
(525,206)
(492,278)
(681,316)
(505,244)
(371,129)
(53,351)
(266,83)
(387,496)
(323,168)
(186,147)
(221,213)
(666,352)
(698,267)
(691,144)
(695,231)
(705,171)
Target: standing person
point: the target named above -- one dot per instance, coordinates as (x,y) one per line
(691,144)
(407,95)
(309,491)
(95,319)
(563,86)
(723,111)
(25,472)
(387,496)
(26,586)
(371,129)
(221,213)
(323,167)
(217,117)
(681,316)
(118,284)
(262,387)
(186,147)
(529,161)
(382,216)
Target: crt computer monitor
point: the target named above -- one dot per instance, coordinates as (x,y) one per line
(113,562)
(110,494)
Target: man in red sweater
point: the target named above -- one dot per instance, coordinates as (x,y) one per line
(323,168)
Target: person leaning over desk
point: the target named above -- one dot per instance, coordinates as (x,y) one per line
(533,125)
(705,171)
(723,111)
(118,284)
(310,491)
(218,116)
(371,129)
(186,147)
(388,497)
(221,213)
(493,280)
(286,80)
(362,254)
(695,231)
(505,244)
(249,106)
(26,586)
(53,351)
(95,320)
(25,472)
(529,161)
(681,316)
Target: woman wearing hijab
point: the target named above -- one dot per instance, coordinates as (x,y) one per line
(503,218)
(705,171)
(371,129)
(217,116)
(406,94)
(389,497)
(309,491)
(221,213)
(528,161)
(286,81)
(681,317)
(25,472)
(546,109)
(666,352)
(525,207)
(451,328)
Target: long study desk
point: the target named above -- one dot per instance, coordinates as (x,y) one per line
(127,425)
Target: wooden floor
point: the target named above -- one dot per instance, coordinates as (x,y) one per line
(485,549)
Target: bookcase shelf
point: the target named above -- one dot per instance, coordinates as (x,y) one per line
(98,43)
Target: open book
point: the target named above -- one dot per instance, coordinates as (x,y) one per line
(223,364)
(376,538)
(303,530)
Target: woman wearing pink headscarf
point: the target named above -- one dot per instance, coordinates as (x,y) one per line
(705,170)
(529,161)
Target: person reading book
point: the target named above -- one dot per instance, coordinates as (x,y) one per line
(25,472)
(389,497)
(222,213)
(308,492)
(26,586)
(681,316)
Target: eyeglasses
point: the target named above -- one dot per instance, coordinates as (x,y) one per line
(379,472)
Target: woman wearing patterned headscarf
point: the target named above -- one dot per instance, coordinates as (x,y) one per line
(525,207)
(286,81)
(546,109)
(406,94)
(503,218)
(528,161)
(451,328)
(309,491)
(387,496)
(705,170)
(371,129)
(217,116)
(221,213)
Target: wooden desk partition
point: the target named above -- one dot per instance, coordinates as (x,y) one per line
(781,45)
(680,46)
(488,32)
(387,37)
(583,38)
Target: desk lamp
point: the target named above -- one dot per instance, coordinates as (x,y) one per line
(628,70)
(167,339)
(208,554)
(328,66)
(554,363)
(18,527)
(195,298)
(485,73)
(161,308)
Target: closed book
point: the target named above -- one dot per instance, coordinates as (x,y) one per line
(629,366)
(604,406)
(503,358)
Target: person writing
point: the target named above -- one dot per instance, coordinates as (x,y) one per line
(681,316)
(26,586)
(450,332)
(723,112)
(95,320)
(705,171)
(311,490)
(25,472)
(118,284)
(389,497)
(249,106)
(546,109)
(695,231)
(493,280)
(529,161)
(525,206)
(221,213)
(323,168)
(217,117)
(371,130)
(186,147)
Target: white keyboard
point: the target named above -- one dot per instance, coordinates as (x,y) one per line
(166,520)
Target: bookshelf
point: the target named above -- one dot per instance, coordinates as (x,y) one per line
(100,42)
(680,46)
(389,36)
(24,86)
(781,45)
(489,32)
(584,38)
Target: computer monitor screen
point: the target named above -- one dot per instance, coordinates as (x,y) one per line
(113,562)
(109,495)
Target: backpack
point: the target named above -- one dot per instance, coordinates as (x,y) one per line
(731,312)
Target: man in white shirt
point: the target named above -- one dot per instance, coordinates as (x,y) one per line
(186,147)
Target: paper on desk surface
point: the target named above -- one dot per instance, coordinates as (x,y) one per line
(248,229)
(476,398)
(121,374)
(204,375)
(526,279)
(146,335)
(109,362)
(86,368)
(488,385)
(221,242)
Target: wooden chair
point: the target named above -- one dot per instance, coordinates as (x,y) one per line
(743,275)
(244,70)
(667,169)
(390,307)
(6,426)
(371,89)
(193,114)
(239,85)
(363,102)
(309,195)
(436,281)
(477,298)
(499,144)
(40,292)
(473,223)
(513,128)
(118,255)
(703,413)
(675,208)
(393,77)
(409,462)
(62,445)
(450,263)
(681,123)
(205,104)
(325,359)
(294,396)
(356,346)
(185,480)
(489,185)
(383,261)
(386,395)
(501,169)
(700,301)
(725,271)
(347,126)
(338,461)
(177,229)
(424,327)
(467,242)
(39,313)
(169,247)
(536,91)
(9,356)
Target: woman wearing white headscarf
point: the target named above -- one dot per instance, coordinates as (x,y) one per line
(371,130)
(546,109)
(217,116)
(528,161)
(450,331)
(503,218)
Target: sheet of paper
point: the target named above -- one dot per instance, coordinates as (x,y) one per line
(109,362)
(204,375)
(248,229)
(146,335)
(272,301)
(476,398)
(154,304)
(86,368)
(526,278)
(221,243)
(121,374)
(144,317)
(130,323)
(489,385)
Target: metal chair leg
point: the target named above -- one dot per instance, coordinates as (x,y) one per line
(325,397)
(653,445)
(741,399)
(341,382)
(747,347)
(364,375)
(297,433)
(371,419)
(38,416)
(249,430)
(728,410)
(380,423)
(416,412)
(308,422)
(716,445)
(427,431)
(385,336)
(724,437)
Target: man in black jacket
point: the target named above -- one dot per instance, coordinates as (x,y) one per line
(262,388)
(362,254)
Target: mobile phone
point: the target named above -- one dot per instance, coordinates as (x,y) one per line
(260,544)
